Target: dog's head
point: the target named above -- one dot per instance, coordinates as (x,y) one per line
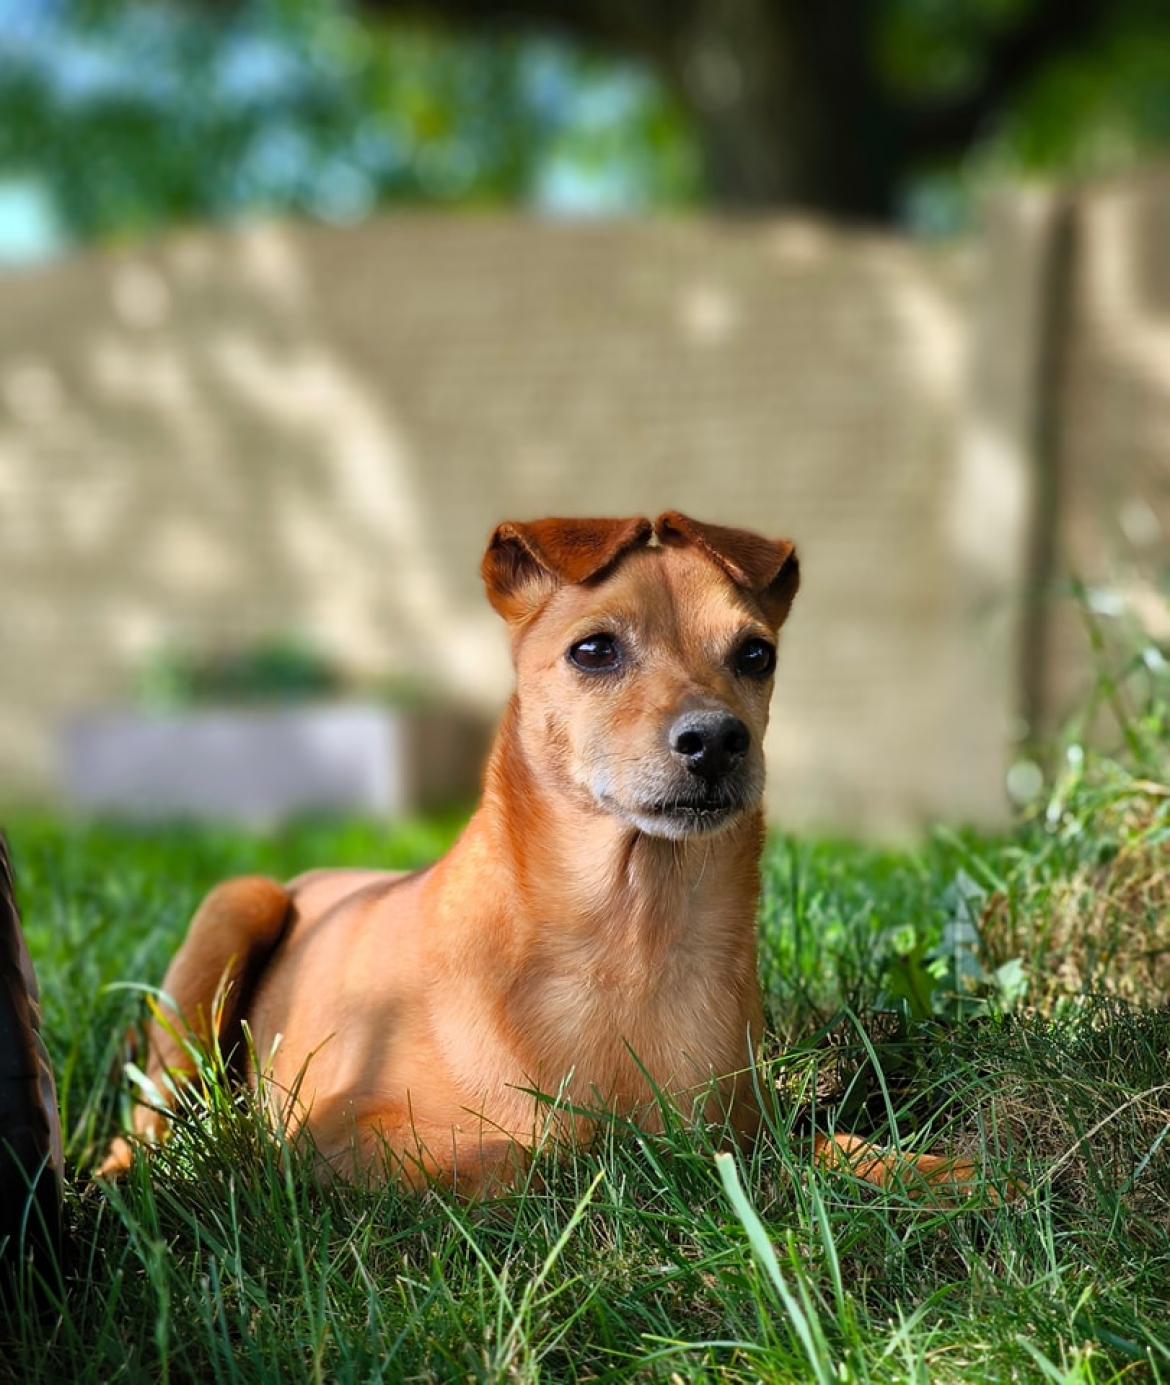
(645,656)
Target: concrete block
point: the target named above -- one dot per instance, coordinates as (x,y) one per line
(265,766)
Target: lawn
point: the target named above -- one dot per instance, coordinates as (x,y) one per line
(1001,999)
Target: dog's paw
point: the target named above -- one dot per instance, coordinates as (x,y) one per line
(119,1157)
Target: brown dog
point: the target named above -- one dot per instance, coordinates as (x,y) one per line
(592,934)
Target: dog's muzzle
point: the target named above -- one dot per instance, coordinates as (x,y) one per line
(712,779)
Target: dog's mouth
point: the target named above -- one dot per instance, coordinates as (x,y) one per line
(690,815)
(686,819)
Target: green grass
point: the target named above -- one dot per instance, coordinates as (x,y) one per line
(223,1259)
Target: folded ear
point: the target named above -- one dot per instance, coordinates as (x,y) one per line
(767,568)
(525,563)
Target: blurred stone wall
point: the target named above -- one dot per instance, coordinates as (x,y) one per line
(293,428)
(1106,520)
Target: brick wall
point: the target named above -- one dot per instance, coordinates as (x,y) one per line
(285,428)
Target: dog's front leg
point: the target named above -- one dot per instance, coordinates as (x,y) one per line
(359,1139)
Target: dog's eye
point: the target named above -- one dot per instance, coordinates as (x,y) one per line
(755,659)
(597,653)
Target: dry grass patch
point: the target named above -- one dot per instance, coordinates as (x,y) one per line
(1091,915)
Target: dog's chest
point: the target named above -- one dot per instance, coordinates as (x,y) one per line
(605,1014)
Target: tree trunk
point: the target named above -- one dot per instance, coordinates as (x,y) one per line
(785,105)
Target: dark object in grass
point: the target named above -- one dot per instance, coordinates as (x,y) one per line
(31,1164)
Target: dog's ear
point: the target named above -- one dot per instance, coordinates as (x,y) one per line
(525,563)
(767,568)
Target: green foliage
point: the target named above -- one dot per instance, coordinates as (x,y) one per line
(1095,113)
(1099,111)
(946,978)
(928,48)
(1084,899)
(279,670)
(139,115)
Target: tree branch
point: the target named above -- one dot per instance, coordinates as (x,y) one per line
(640,27)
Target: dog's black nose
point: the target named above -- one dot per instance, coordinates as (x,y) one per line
(710,744)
